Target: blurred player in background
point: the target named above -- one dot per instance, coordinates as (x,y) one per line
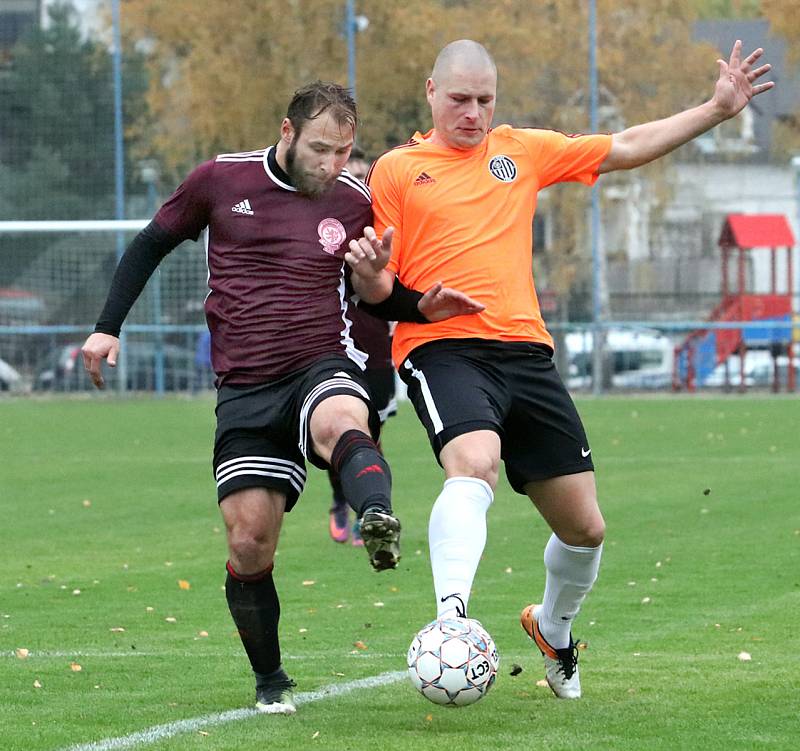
(372,335)
(461,200)
(289,378)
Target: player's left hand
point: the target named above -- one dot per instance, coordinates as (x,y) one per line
(369,255)
(736,83)
(440,303)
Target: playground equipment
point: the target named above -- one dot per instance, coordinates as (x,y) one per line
(702,350)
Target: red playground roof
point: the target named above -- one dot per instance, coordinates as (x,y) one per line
(756,231)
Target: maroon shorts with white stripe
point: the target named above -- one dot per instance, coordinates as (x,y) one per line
(263,437)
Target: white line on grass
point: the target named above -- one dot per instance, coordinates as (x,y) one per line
(101,654)
(170,729)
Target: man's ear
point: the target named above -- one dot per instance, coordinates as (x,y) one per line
(287,131)
(430,90)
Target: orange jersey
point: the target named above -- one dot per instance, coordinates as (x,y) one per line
(465,218)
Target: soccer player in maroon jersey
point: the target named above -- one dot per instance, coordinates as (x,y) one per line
(289,377)
(373,336)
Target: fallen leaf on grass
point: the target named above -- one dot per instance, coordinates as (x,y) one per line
(428,718)
(75,668)
(202,634)
(183,584)
(22,653)
(86,503)
(543,683)
(360,645)
(37,684)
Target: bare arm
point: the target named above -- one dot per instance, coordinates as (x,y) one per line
(735,87)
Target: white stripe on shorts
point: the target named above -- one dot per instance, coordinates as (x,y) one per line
(321,388)
(430,405)
(264,467)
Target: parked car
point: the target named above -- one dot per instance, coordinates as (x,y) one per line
(62,369)
(638,359)
(10,378)
(763,374)
(19,307)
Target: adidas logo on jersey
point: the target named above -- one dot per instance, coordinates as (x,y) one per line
(243,207)
(424,179)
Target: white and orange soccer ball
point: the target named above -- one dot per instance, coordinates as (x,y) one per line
(453,661)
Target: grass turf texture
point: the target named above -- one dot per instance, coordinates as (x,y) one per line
(115,500)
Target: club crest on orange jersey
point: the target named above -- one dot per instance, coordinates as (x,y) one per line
(503,168)
(331,235)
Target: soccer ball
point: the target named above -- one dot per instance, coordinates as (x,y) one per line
(453,661)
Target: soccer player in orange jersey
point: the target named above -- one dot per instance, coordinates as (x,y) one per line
(456,205)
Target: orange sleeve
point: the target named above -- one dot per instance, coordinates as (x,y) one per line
(386,206)
(563,158)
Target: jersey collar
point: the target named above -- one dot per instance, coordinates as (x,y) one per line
(275,172)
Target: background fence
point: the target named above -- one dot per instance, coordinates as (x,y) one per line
(69,152)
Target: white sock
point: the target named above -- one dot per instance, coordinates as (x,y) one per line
(457,536)
(571,572)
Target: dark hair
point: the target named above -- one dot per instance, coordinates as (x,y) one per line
(309,102)
(357,153)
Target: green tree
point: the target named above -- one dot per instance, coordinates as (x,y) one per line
(221,84)
(728,9)
(57,130)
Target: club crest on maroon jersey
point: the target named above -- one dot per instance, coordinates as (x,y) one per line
(331,235)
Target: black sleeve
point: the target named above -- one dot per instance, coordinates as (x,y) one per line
(401,305)
(135,267)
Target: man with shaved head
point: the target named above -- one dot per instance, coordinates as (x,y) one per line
(458,202)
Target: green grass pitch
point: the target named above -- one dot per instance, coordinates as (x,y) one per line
(112,569)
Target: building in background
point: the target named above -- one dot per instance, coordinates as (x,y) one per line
(16,17)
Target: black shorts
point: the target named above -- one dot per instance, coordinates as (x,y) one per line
(263,431)
(380,382)
(461,385)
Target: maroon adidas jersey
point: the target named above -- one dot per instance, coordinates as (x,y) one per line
(372,335)
(277,298)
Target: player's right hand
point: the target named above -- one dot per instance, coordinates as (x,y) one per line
(369,255)
(96,348)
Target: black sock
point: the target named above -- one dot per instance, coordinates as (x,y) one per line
(363,472)
(253,602)
(336,486)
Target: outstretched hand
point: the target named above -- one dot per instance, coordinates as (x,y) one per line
(96,348)
(368,255)
(736,84)
(440,303)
